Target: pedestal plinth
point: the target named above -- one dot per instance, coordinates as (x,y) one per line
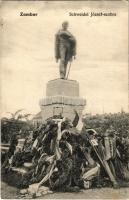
(62,97)
(62,87)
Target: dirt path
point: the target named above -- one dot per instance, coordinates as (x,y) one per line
(8,192)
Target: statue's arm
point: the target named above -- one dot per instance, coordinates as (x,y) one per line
(74,44)
(57,55)
(74,47)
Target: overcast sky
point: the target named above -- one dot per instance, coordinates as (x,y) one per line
(28,62)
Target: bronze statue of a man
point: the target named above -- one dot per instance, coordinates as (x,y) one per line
(65,48)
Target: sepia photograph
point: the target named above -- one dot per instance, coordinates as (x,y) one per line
(64,99)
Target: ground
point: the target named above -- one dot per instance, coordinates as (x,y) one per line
(8,192)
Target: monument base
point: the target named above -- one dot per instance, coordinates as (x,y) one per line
(60,109)
(62,97)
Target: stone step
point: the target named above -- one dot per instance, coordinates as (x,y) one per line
(4,147)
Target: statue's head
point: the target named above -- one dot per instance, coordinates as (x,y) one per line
(65,25)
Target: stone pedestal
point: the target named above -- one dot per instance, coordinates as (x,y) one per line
(62,87)
(62,97)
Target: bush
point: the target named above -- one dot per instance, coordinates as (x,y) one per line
(119,122)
